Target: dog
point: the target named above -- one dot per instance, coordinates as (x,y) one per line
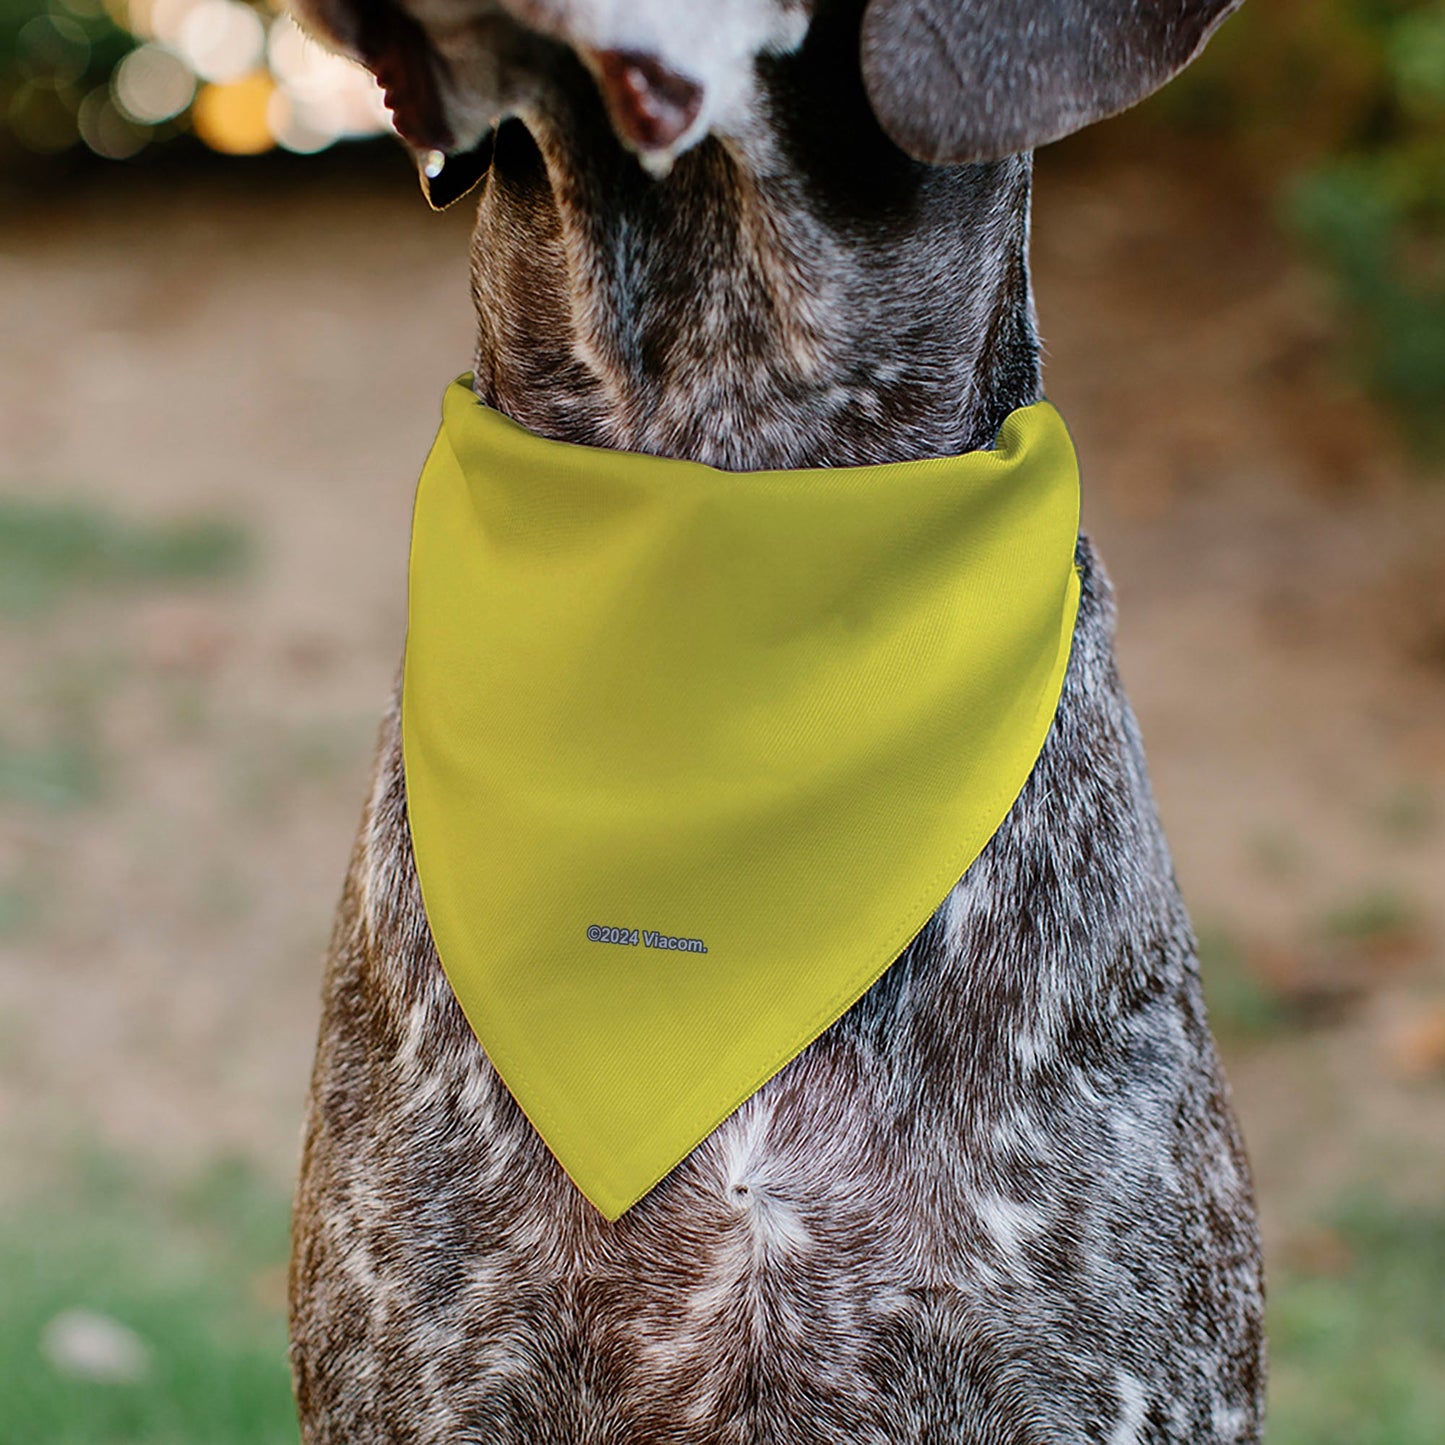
(1003,1200)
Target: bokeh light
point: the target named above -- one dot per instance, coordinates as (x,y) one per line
(42,114)
(152,84)
(106,130)
(55,45)
(119,75)
(221,40)
(320,97)
(233,117)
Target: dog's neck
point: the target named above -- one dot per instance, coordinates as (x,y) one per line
(807,297)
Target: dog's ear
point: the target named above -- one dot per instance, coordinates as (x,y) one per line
(976,80)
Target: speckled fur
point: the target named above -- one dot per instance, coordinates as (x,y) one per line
(1003,1199)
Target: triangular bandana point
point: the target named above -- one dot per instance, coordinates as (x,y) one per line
(691,755)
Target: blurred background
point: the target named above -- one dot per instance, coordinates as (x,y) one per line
(227,318)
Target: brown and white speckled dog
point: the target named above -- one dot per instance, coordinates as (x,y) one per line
(1003,1199)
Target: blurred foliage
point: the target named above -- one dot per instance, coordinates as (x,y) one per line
(115,78)
(77,42)
(50,548)
(1241,1005)
(187,1289)
(1340,105)
(52,57)
(1357,1330)
(1380,914)
(55,775)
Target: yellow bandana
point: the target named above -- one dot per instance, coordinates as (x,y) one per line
(691,755)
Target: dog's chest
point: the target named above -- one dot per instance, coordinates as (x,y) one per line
(1002,1176)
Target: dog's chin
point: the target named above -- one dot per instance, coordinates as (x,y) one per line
(444,94)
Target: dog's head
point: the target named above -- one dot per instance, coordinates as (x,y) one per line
(950,81)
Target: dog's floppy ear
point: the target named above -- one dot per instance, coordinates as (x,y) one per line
(976,80)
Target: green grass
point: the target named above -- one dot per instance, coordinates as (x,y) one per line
(17,908)
(1358,1355)
(1357,1351)
(1379,914)
(50,549)
(1408,814)
(190,1275)
(1241,1005)
(55,776)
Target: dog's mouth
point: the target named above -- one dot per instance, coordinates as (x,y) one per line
(448,82)
(446,178)
(414,77)
(650,107)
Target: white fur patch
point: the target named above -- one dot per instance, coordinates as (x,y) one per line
(1133,1402)
(715,45)
(1009,1224)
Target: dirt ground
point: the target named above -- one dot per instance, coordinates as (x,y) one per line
(273,355)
